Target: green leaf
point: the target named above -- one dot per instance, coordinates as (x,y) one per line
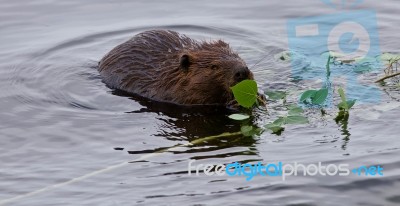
(296,119)
(239,116)
(258,131)
(245,93)
(307,94)
(320,96)
(341,94)
(347,104)
(274,128)
(276,95)
(359,68)
(280,121)
(350,103)
(361,60)
(295,111)
(389,57)
(246,130)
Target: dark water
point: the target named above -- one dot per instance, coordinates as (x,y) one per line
(58,121)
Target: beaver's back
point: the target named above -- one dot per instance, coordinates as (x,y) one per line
(142,61)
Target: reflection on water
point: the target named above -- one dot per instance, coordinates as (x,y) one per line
(194,124)
(342,119)
(187,122)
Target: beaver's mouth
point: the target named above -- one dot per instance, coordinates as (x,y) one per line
(228,95)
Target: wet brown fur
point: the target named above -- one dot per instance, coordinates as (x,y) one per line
(169,67)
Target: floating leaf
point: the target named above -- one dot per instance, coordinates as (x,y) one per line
(361,60)
(280,121)
(389,57)
(239,116)
(307,94)
(246,130)
(245,93)
(320,96)
(274,128)
(296,120)
(258,131)
(360,68)
(295,111)
(276,95)
(250,130)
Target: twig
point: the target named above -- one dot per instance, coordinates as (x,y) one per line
(387,77)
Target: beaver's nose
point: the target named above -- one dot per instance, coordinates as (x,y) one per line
(242,74)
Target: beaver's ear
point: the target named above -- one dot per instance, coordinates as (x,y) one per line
(184,62)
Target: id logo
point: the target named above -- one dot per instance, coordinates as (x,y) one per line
(351,35)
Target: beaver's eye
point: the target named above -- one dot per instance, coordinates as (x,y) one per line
(214,67)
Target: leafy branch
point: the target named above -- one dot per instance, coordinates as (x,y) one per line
(392,65)
(246,95)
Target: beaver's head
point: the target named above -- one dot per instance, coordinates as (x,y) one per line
(208,72)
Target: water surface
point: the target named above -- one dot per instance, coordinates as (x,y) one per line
(59,121)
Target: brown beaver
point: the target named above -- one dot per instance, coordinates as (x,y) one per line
(169,67)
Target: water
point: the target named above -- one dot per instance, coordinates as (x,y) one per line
(60,122)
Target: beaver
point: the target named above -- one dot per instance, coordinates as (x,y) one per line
(166,66)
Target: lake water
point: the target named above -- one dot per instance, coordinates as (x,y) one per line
(67,139)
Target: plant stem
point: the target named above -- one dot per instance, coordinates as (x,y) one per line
(226,134)
(328,69)
(262,101)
